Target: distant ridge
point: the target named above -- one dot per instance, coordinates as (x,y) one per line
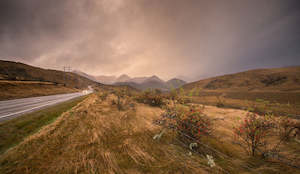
(153,82)
(141,83)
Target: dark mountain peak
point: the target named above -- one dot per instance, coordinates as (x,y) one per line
(155,78)
(175,83)
(176,80)
(123,78)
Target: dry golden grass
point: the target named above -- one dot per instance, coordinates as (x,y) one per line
(279,86)
(278,108)
(94,137)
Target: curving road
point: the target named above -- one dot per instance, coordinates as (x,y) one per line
(13,108)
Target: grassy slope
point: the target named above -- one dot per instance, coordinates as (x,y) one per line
(276,79)
(14,131)
(280,87)
(94,137)
(18,80)
(19,71)
(22,89)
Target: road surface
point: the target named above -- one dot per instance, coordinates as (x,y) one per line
(12,108)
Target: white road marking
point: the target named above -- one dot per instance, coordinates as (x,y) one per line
(44,101)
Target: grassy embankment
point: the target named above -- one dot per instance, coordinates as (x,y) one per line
(22,89)
(12,132)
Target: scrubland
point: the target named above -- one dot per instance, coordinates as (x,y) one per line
(119,131)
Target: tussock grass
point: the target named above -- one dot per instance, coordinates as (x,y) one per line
(85,140)
(278,106)
(96,137)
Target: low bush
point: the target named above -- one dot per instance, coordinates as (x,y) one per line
(151,98)
(265,134)
(193,124)
(220,101)
(121,98)
(190,125)
(288,128)
(220,105)
(103,96)
(253,131)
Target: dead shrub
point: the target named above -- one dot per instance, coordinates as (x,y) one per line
(288,128)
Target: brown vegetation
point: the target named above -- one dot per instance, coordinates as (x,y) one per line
(97,137)
(280,87)
(21,89)
(15,71)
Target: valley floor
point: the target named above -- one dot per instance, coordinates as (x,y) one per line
(95,137)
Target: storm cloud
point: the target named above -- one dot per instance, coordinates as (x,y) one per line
(168,38)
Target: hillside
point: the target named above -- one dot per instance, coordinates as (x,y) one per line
(277,79)
(277,88)
(85,75)
(18,80)
(175,83)
(21,72)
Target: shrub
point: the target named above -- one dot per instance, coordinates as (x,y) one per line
(190,125)
(220,101)
(220,105)
(253,131)
(288,128)
(173,95)
(193,124)
(120,101)
(103,96)
(151,98)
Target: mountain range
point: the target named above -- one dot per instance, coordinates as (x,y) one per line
(142,83)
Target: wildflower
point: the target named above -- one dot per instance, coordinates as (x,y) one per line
(210,161)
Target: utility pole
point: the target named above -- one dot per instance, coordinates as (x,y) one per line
(66,69)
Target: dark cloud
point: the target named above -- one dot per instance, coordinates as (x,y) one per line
(194,38)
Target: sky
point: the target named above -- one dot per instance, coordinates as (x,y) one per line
(190,39)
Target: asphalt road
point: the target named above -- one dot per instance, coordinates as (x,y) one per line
(12,108)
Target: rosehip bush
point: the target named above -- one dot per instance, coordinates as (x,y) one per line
(189,125)
(253,131)
(194,124)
